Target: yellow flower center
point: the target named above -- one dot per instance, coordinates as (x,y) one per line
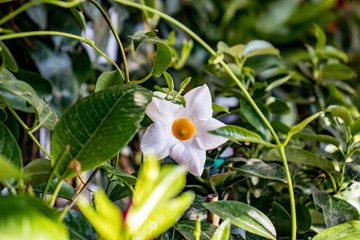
(183,129)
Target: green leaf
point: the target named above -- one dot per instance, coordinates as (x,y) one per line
(9,149)
(186,229)
(23,217)
(79,227)
(281,218)
(346,231)
(184,84)
(39,84)
(169,81)
(106,217)
(277,106)
(236,133)
(79,16)
(297,155)
(341,112)
(8,59)
(19,94)
(98,126)
(303,124)
(66,190)
(236,51)
(256,167)
(217,180)
(109,79)
(318,137)
(151,18)
(120,174)
(304,220)
(223,231)
(252,117)
(219,108)
(278,82)
(119,192)
(320,37)
(355,126)
(163,53)
(185,53)
(37,171)
(337,71)
(38,14)
(336,211)
(259,47)
(331,52)
(244,216)
(8,170)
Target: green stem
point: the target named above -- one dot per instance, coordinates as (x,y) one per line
(38,144)
(53,171)
(245,92)
(291,193)
(77,195)
(123,55)
(56,33)
(332,181)
(32,3)
(13,112)
(56,192)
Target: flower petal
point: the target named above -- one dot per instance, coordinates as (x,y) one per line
(163,111)
(158,140)
(189,154)
(205,139)
(198,103)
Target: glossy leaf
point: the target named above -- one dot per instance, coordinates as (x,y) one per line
(346,231)
(109,79)
(169,81)
(256,167)
(24,217)
(120,174)
(244,216)
(236,133)
(8,59)
(98,126)
(105,218)
(219,108)
(79,227)
(37,171)
(223,231)
(341,112)
(184,84)
(337,71)
(9,148)
(163,53)
(298,155)
(336,211)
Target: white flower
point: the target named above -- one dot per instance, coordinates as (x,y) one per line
(183,133)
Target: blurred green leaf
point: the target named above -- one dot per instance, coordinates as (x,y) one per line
(278,82)
(336,211)
(23,217)
(355,126)
(186,229)
(79,16)
(281,218)
(185,53)
(79,227)
(337,71)
(106,217)
(341,112)
(169,81)
(119,192)
(304,221)
(38,14)
(7,58)
(66,190)
(151,18)
(318,137)
(298,155)
(163,53)
(259,47)
(346,231)
(277,106)
(303,124)
(236,133)
(258,168)
(109,79)
(9,149)
(39,84)
(244,216)
(320,37)
(223,231)
(217,181)
(8,170)
(236,51)
(98,126)
(331,52)
(37,171)
(219,108)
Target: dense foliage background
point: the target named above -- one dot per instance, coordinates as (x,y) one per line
(298,60)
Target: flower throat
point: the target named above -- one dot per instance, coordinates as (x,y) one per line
(183,129)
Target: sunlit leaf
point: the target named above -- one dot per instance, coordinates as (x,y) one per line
(223,231)
(346,231)
(219,108)
(320,37)
(236,133)
(341,112)
(109,79)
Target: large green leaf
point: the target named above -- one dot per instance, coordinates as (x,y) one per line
(79,227)
(9,147)
(236,133)
(37,171)
(244,216)
(98,126)
(23,217)
(346,231)
(256,167)
(19,94)
(8,170)
(298,155)
(163,53)
(336,211)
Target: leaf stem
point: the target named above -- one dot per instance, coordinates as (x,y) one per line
(38,144)
(56,33)
(56,192)
(116,35)
(246,94)
(77,195)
